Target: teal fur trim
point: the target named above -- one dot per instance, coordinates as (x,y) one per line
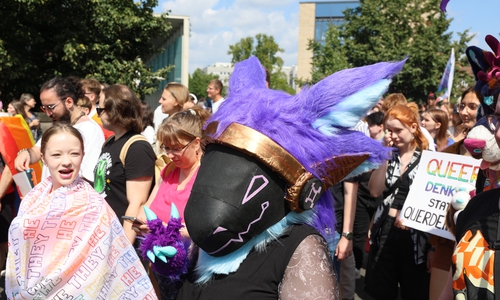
(209,265)
(363,168)
(488,100)
(348,112)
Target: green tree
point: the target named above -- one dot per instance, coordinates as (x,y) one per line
(198,82)
(383,30)
(266,49)
(463,78)
(106,40)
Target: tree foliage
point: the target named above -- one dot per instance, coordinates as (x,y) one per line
(107,40)
(198,82)
(266,49)
(382,30)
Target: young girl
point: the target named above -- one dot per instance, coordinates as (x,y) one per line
(436,122)
(397,254)
(66,240)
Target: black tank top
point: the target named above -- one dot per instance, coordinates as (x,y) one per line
(258,277)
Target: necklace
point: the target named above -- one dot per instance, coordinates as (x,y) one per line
(78,118)
(404,164)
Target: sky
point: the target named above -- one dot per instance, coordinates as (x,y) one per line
(216,24)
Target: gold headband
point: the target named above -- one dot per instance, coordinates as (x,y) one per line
(279,160)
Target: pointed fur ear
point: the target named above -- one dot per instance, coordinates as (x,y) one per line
(248,73)
(477,60)
(486,67)
(342,99)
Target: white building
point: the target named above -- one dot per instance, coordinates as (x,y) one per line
(224,70)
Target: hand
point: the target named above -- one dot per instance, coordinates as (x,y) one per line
(398,222)
(387,141)
(140,227)
(34,123)
(22,161)
(344,248)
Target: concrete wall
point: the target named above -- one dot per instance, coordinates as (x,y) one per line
(306,32)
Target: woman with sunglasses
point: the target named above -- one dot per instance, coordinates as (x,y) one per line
(124,184)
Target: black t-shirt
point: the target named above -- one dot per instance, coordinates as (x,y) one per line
(110,176)
(337,191)
(258,276)
(364,198)
(475,232)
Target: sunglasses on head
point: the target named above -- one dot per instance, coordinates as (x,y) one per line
(99,110)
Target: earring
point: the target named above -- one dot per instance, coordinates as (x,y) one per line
(197,153)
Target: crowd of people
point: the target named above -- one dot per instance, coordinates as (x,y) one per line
(99,159)
(104,118)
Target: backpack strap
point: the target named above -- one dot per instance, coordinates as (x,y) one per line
(130,141)
(107,141)
(169,168)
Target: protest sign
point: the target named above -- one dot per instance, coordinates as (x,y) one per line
(437,177)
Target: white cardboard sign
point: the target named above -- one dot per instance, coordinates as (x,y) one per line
(437,177)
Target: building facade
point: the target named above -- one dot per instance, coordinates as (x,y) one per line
(176,54)
(314,19)
(224,70)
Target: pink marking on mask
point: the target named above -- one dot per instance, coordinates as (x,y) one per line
(249,197)
(219,229)
(264,206)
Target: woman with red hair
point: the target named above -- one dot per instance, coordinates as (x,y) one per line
(397,253)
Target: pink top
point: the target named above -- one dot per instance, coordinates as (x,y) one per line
(168,194)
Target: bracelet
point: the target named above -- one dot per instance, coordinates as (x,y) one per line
(22,150)
(27,150)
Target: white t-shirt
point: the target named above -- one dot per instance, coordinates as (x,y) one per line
(429,138)
(149,134)
(158,117)
(216,105)
(362,127)
(93,139)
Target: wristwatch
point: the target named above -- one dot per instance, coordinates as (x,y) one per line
(347,235)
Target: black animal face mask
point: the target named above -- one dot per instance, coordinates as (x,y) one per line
(234,198)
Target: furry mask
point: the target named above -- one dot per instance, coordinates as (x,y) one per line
(269,153)
(486,68)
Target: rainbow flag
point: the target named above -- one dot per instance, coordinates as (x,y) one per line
(444,88)
(15,135)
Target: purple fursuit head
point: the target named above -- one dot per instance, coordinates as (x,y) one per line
(270,155)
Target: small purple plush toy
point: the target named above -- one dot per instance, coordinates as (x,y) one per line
(164,246)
